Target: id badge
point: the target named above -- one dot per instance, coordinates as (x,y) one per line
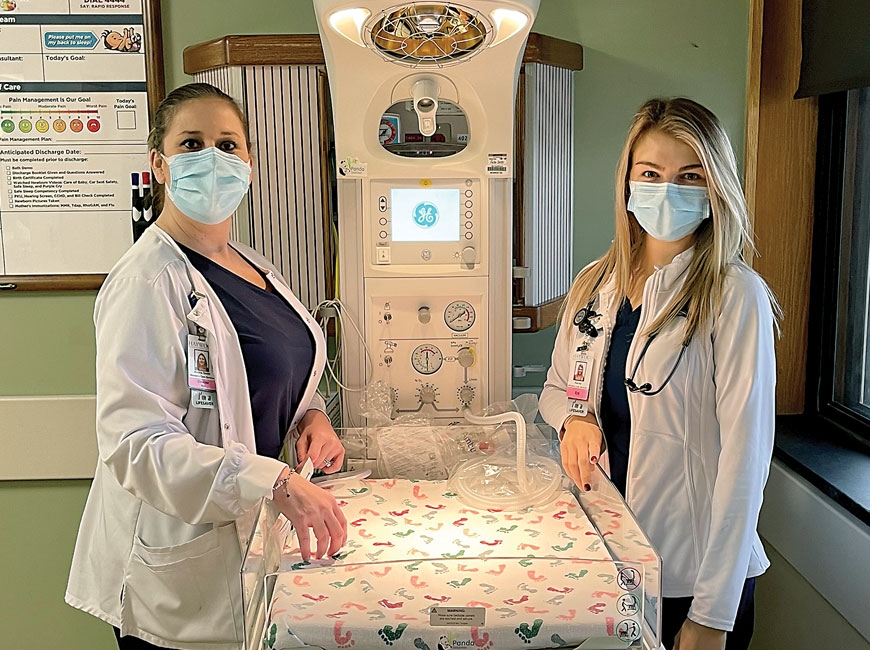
(203,399)
(199,371)
(577,390)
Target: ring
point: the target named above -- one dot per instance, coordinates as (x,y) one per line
(328,462)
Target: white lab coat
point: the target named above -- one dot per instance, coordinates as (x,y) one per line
(157,553)
(700,450)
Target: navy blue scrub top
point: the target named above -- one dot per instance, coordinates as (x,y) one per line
(615,416)
(277,348)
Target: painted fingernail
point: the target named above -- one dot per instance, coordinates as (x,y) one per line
(593,459)
(587,487)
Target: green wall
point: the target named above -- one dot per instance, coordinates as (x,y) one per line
(633,50)
(187,22)
(47,343)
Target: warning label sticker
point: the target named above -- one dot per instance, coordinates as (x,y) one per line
(457,616)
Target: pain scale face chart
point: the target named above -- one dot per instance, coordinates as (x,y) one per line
(73,128)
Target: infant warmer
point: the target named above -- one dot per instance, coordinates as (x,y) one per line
(423,101)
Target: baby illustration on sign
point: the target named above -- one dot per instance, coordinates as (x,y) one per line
(127,40)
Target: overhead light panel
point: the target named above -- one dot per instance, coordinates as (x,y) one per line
(507,23)
(349,23)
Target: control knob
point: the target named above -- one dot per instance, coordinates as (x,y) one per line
(466,394)
(466,357)
(427,394)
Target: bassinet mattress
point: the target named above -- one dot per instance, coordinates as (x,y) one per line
(416,555)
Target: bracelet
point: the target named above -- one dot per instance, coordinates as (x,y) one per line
(283,482)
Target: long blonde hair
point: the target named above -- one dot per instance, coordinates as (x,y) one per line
(725,239)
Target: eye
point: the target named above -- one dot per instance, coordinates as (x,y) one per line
(649,173)
(692,177)
(228,146)
(191,144)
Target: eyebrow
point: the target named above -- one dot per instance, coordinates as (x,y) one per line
(682,169)
(230,133)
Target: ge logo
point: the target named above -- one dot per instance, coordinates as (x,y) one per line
(426,214)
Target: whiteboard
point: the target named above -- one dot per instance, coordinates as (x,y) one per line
(74,121)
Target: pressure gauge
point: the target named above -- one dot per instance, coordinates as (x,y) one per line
(427,359)
(459,315)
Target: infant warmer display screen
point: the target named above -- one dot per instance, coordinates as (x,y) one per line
(425,215)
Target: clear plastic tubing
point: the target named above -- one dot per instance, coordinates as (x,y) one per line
(520,423)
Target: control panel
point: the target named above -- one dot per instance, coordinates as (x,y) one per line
(427,342)
(426,222)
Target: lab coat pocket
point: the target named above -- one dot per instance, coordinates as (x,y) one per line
(184,593)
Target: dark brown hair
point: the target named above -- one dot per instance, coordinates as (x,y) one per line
(173,101)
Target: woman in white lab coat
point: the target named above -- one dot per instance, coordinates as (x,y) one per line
(664,371)
(205,362)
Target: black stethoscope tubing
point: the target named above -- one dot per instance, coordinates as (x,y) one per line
(646,388)
(582,320)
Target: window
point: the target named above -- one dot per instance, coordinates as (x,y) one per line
(840,318)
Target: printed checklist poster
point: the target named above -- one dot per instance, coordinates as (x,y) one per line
(73,129)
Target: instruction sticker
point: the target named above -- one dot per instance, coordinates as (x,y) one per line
(497,164)
(457,616)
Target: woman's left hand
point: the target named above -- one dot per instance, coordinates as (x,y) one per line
(694,636)
(318,441)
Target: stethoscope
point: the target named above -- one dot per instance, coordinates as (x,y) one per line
(583,322)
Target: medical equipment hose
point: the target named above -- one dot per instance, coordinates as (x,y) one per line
(520,424)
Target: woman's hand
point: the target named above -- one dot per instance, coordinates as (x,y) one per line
(582,446)
(318,441)
(694,636)
(311,507)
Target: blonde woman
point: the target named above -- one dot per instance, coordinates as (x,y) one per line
(675,334)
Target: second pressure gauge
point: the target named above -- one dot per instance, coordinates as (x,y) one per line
(459,315)
(427,359)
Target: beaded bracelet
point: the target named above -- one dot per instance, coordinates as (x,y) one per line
(280,484)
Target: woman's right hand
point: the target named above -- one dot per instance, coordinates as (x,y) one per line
(582,446)
(312,507)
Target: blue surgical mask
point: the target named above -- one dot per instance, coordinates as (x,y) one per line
(666,211)
(207,185)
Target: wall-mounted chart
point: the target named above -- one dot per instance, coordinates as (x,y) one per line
(74,121)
